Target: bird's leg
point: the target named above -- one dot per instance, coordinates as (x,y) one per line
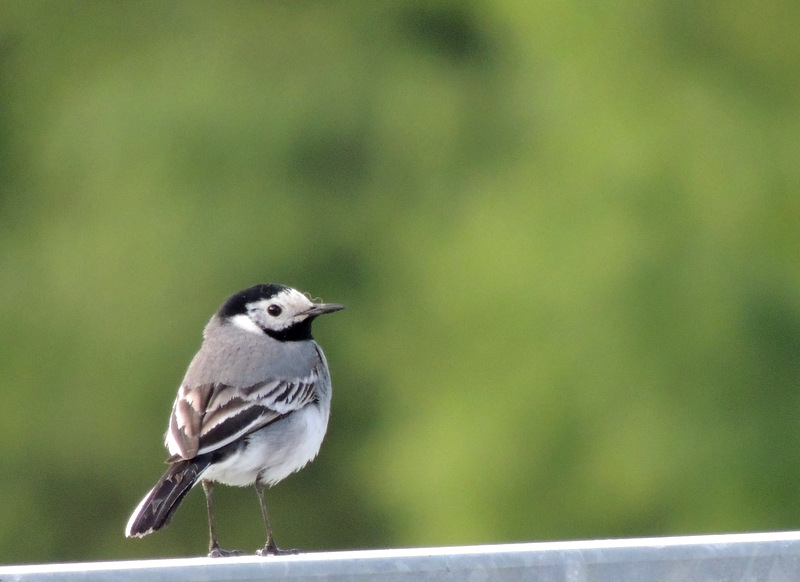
(270,548)
(214,551)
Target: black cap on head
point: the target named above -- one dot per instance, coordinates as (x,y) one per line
(237,303)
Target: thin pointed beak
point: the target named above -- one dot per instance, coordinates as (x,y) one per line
(322,308)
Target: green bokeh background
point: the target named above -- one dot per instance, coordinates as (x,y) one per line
(567,234)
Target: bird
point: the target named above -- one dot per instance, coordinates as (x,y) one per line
(252,409)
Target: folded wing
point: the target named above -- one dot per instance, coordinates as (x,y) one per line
(207,417)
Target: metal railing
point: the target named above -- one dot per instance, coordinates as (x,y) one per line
(767,557)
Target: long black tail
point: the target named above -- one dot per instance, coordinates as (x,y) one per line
(157,507)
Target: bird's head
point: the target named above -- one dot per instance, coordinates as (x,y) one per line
(276,310)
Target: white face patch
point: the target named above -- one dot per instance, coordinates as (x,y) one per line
(277,313)
(244,322)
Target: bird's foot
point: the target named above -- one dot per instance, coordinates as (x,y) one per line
(217,552)
(273,550)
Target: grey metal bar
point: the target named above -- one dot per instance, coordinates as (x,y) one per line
(767,557)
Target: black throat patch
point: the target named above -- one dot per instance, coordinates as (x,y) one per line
(296,333)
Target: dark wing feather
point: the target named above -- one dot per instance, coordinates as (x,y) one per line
(207,417)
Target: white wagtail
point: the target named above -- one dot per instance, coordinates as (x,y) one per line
(252,409)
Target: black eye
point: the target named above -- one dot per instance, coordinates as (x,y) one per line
(274,310)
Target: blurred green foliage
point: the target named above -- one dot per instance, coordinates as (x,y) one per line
(568,237)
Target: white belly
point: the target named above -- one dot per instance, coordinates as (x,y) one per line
(274,452)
